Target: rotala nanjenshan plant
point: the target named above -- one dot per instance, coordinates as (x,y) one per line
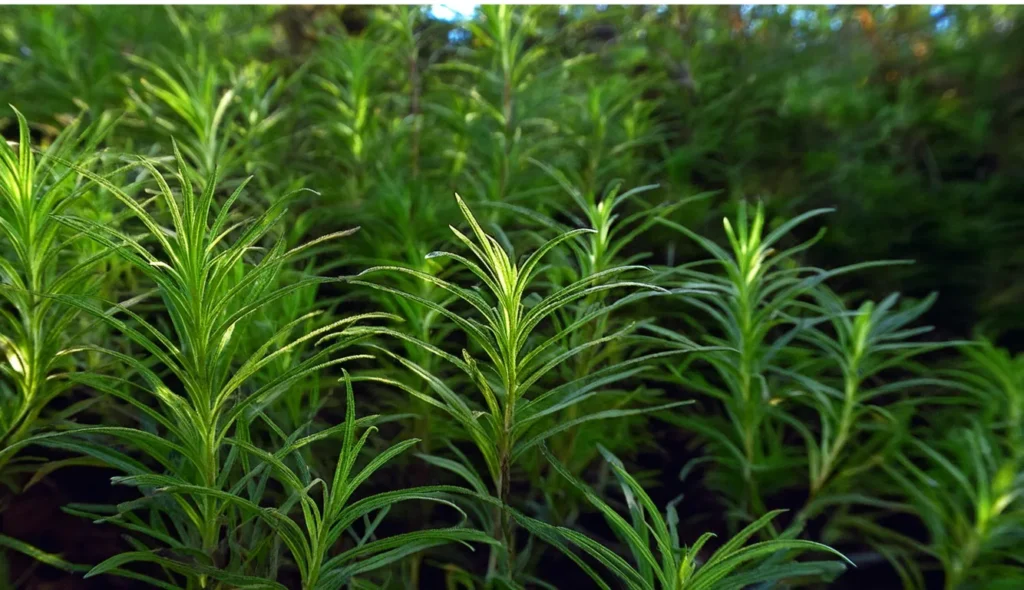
(966,483)
(506,328)
(660,561)
(212,275)
(755,308)
(862,346)
(39,264)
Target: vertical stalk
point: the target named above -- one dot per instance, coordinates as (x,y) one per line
(850,388)
(409,21)
(414,111)
(504,516)
(507,110)
(748,409)
(748,260)
(210,528)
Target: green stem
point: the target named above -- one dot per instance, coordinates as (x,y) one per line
(504,516)
(210,527)
(828,464)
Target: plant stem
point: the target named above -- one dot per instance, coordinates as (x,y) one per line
(828,463)
(414,110)
(749,409)
(504,516)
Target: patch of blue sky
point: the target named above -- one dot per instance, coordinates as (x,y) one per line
(453,11)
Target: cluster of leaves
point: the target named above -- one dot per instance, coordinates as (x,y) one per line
(178,308)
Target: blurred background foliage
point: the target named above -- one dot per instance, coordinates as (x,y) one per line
(907,119)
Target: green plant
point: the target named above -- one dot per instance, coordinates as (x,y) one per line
(661,561)
(516,356)
(349,76)
(872,350)
(500,89)
(618,218)
(967,491)
(996,379)
(227,117)
(40,263)
(758,310)
(323,524)
(967,487)
(210,289)
(60,63)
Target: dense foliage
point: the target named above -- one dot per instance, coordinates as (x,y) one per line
(591,331)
